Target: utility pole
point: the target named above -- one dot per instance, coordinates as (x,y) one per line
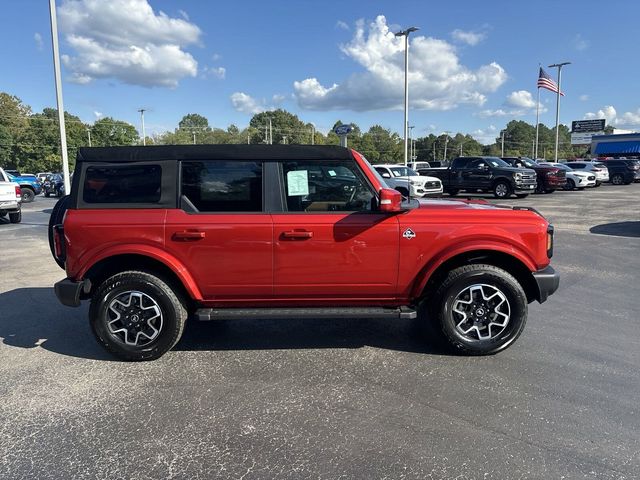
(89,135)
(559,66)
(446,140)
(461,149)
(405,34)
(58,82)
(502,149)
(434,151)
(270,133)
(194,137)
(313,134)
(266,134)
(533,149)
(284,139)
(248,137)
(144,135)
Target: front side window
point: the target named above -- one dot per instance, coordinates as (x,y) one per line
(403,172)
(223,186)
(121,184)
(317,187)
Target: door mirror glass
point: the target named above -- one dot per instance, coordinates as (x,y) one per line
(390,200)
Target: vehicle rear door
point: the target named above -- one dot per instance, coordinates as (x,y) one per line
(330,242)
(220,231)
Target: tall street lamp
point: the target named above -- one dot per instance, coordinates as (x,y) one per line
(559,65)
(405,34)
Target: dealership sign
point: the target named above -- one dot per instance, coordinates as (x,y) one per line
(342,129)
(581,126)
(582,138)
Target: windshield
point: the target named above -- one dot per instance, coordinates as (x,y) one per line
(403,172)
(496,162)
(527,162)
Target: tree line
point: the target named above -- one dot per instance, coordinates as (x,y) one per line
(30,141)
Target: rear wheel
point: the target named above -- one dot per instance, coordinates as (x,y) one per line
(15,217)
(27,194)
(137,316)
(479,309)
(502,190)
(57,215)
(617,179)
(570,185)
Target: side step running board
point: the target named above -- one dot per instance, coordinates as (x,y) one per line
(404,313)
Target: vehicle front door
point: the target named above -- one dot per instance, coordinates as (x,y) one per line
(478,174)
(329,240)
(221,232)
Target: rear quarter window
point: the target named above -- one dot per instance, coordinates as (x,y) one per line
(122,184)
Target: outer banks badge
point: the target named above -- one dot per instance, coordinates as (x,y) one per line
(409,234)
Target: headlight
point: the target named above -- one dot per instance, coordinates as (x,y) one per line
(415,184)
(517,176)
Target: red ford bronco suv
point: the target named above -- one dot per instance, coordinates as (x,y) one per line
(152,235)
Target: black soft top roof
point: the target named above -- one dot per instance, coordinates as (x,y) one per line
(212,152)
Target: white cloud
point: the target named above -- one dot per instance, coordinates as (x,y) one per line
(184,15)
(342,25)
(38,39)
(584,97)
(126,40)
(437,79)
(247,104)
(485,135)
(217,72)
(629,120)
(580,43)
(470,38)
(216,56)
(522,99)
(97,114)
(517,104)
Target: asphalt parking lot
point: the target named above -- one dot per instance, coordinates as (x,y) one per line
(334,399)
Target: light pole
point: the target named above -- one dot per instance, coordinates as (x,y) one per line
(58,82)
(89,135)
(559,65)
(446,140)
(502,148)
(411,127)
(144,136)
(405,34)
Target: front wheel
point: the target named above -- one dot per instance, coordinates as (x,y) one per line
(480,309)
(137,316)
(570,185)
(502,190)
(617,179)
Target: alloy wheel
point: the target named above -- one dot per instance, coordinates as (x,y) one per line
(481,312)
(134,318)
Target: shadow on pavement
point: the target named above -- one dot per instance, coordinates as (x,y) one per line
(32,317)
(618,229)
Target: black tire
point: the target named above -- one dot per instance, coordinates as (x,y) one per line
(15,217)
(492,279)
(570,185)
(522,195)
(158,294)
(47,194)
(617,179)
(581,188)
(502,189)
(3,214)
(57,215)
(28,195)
(549,191)
(453,192)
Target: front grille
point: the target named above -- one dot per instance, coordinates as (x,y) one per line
(432,185)
(561,174)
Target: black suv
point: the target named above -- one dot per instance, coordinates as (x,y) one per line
(623,171)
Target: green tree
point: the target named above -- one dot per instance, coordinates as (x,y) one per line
(283,124)
(194,121)
(108,132)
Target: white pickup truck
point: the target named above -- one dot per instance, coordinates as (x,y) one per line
(10,199)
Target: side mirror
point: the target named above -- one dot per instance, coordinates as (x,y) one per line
(385,175)
(390,200)
(483,167)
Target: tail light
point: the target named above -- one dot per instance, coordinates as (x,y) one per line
(18,192)
(550,241)
(58,242)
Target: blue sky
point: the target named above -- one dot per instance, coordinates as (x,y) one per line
(473,65)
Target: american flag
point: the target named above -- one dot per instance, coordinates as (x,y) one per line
(545,81)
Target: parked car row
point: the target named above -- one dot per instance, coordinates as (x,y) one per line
(47,183)
(518,176)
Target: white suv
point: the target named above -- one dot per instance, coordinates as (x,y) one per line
(402,178)
(599,169)
(575,178)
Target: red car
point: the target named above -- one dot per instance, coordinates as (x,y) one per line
(152,235)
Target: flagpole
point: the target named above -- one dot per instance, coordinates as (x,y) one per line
(559,65)
(535,155)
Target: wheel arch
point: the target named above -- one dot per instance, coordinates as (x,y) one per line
(171,271)
(509,262)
